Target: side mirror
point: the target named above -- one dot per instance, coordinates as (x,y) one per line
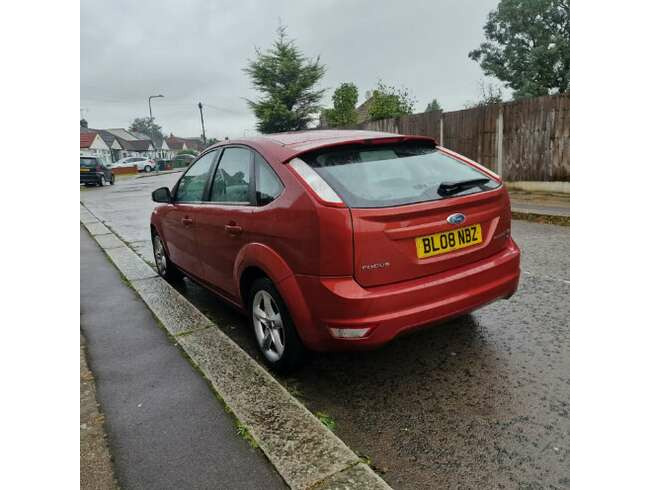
(161,195)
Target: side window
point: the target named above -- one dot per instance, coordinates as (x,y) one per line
(267,182)
(190,187)
(232,177)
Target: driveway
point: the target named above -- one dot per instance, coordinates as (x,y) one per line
(482,401)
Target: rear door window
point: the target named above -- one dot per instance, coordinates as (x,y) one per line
(267,183)
(232,179)
(369,176)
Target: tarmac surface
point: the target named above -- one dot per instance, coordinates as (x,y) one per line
(166,429)
(482,401)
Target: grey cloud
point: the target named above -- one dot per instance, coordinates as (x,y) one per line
(194,50)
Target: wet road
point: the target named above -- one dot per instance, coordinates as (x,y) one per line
(480,402)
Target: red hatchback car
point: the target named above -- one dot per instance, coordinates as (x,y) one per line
(334,240)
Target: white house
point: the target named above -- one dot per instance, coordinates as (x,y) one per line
(93,144)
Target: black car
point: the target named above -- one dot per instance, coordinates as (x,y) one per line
(95,172)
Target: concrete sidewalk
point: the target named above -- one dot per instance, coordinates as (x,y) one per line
(166,429)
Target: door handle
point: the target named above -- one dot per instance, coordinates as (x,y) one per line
(187,221)
(233,229)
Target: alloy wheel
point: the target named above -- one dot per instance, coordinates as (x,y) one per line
(269,327)
(159,255)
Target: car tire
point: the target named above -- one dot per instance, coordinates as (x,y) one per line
(147,168)
(275,333)
(102,181)
(166,269)
(113,179)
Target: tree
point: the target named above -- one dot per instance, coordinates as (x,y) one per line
(527,46)
(433,106)
(287,81)
(83,123)
(388,101)
(146,125)
(488,94)
(345,102)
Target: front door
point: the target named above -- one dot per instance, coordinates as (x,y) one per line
(221,224)
(179,221)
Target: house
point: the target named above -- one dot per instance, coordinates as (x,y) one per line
(109,139)
(132,145)
(176,143)
(93,144)
(362,111)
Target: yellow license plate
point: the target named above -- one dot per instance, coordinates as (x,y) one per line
(85,170)
(448,241)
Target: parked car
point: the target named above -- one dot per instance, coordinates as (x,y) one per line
(142,163)
(337,240)
(94,171)
(182,160)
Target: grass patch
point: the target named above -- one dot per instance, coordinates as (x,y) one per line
(243,432)
(326,420)
(542,218)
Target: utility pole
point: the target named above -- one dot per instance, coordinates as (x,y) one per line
(152,97)
(202,124)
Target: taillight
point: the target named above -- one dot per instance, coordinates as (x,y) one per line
(315,182)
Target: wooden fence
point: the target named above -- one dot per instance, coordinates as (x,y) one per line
(521,140)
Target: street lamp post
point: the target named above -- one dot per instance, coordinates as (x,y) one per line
(152,97)
(202,124)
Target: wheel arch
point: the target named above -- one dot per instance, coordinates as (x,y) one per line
(257,260)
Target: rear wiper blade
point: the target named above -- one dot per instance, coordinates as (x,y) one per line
(449,188)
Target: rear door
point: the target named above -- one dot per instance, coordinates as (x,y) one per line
(179,222)
(222,224)
(404,225)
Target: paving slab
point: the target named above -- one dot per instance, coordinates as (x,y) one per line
(97,228)
(87,218)
(109,241)
(129,264)
(360,476)
(176,313)
(303,450)
(144,249)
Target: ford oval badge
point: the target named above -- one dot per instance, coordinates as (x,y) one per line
(456,219)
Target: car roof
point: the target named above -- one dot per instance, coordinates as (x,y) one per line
(285,146)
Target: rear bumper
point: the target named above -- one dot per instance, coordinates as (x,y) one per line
(89,178)
(393,309)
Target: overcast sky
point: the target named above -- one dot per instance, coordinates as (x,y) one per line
(194,50)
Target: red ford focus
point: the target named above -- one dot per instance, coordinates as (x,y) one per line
(335,240)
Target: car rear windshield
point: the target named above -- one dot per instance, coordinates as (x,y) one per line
(372,176)
(89,162)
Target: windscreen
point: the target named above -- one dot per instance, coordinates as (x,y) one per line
(371,176)
(89,162)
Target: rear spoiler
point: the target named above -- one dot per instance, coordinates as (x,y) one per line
(382,140)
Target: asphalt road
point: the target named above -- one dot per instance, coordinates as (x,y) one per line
(480,402)
(165,427)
